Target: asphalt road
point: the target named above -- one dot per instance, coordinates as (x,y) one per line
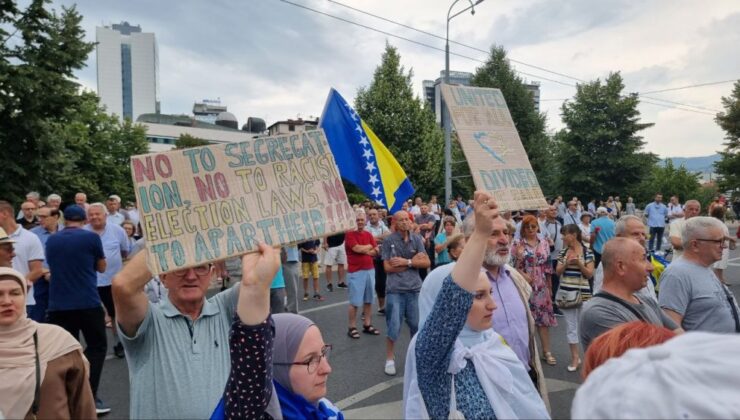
(358,384)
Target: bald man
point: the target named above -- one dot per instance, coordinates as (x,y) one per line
(625,273)
(403,254)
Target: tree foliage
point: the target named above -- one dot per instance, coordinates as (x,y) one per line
(668,180)
(40,51)
(600,149)
(186,141)
(498,73)
(728,167)
(92,153)
(54,138)
(403,124)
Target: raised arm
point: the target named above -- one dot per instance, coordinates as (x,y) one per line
(468,266)
(129,297)
(258,271)
(251,338)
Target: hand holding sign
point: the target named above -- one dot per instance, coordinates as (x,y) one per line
(258,272)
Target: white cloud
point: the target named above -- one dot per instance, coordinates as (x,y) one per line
(269,59)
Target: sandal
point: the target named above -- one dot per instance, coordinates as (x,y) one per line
(572,368)
(369,329)
(549,359)
(353,333)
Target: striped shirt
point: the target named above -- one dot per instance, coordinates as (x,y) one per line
(572,278)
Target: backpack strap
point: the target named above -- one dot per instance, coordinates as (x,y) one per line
(621,302)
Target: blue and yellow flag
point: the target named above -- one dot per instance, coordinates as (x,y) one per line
(361,157)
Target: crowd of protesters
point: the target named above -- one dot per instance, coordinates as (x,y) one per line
(475,286)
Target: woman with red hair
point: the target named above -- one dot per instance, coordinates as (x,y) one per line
(618,340)
(530,255)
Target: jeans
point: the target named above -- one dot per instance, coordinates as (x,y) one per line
(291,274)
(656,233)
(92,324)
(399,306)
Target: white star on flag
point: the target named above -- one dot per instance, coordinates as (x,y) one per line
(380,202)
(370,166)
(373,179)
(376,191)
(367,154)
(363,140)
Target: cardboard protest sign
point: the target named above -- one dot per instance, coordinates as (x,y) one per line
(209,203)
(497,159)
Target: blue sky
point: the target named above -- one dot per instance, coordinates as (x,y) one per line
(269,59)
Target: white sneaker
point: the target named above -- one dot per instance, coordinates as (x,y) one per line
(390,368)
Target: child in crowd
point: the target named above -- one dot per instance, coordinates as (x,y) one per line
(310,266)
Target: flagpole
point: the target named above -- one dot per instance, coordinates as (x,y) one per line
(445,112)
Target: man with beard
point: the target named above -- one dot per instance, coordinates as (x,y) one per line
(513,318)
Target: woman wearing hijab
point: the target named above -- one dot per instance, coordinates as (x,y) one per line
(457,365)
(42,370)
(288,370)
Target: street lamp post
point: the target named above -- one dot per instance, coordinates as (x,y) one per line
(445,112)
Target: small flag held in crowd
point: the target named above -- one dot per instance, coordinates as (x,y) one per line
(361,157)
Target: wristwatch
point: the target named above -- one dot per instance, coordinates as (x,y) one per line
(410,264)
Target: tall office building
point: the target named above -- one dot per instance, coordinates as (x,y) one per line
(433,97)
(128,70)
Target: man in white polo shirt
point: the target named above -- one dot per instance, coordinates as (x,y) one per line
(29,253)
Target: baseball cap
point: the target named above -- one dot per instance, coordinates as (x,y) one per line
(602,210)
(74,213)
(691,376)
(4,238)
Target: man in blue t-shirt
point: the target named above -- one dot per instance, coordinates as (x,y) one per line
(75,256)
(602,229)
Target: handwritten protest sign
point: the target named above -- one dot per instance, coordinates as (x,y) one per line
(497,159)
(209,203)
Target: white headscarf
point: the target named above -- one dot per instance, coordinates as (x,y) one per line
(501,374)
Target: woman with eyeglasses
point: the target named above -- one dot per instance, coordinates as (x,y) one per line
(280,375)
(531,257)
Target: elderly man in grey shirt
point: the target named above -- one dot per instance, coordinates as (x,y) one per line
(625,274)
(178,350)
(690,292)
(403,255)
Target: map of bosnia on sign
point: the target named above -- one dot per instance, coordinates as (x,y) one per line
(497,159)
(209,203)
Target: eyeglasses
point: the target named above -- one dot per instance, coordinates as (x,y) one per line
(531,226)
(313,363)
(723,243)
(200,270)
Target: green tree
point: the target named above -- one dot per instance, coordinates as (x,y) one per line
(497,73)
(91,153)
(600,149)
(403,124)
(668,180)
(186,141)
(39,51)
(728,167)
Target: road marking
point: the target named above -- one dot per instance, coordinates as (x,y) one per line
(734,264)
(369,392)
(553,385)
(733,259)
(333,305)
